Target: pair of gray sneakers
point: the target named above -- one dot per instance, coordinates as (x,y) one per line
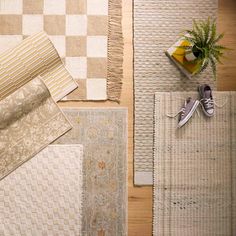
(190,105)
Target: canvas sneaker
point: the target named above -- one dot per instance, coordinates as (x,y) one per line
(206,99)
(186,112)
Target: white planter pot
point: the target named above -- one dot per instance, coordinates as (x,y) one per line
(190,56)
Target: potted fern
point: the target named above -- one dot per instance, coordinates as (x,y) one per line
(203,46)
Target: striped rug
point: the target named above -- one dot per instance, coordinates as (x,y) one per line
(35,56)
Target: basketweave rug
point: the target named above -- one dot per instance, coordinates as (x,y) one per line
(195,169)
(29,121)
(86,33)
(44,196)
(157,26)
(103,134)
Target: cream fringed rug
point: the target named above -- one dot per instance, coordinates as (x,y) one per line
(157,25)
(35,56)
(86,33)
(195,169)
(44,196)
(29,121)
(103,133)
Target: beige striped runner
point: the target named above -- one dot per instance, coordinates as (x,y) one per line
(29,121)
(35,56)
(195,169)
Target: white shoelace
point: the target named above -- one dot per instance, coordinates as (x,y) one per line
(210,103)
(173,116)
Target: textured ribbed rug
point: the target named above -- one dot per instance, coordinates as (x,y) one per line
(44,196)
(86,33)
(35,56)
(103,133)
(157,25)
(195,169)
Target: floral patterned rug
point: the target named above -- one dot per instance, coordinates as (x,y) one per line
(103,133)
(29,121)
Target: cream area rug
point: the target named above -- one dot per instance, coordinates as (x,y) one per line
(157,26)
(195,169)
(29,121)
(103,134)
(86,33)
(35,56)
(44,196)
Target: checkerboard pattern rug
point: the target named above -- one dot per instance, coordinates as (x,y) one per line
(79,31)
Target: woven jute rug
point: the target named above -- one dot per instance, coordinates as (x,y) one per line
(44,196)
(35,56)
(195,169)
(157,26)
(103,134)
(86,33)
(29,121)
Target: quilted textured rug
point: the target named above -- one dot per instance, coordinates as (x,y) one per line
(103,133)
(35,56)
(44,196)
(157,25)
(86,33)
(29,121)
(195,169)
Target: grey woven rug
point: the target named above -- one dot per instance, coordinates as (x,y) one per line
(195,169)
(103,133)
(157,25)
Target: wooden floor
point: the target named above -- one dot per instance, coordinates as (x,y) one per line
(140,198)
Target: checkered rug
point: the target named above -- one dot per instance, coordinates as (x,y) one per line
(79,30)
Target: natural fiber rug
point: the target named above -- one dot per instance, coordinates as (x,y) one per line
(195,169)
(157,25)
(29,121)
(44,196)
(86,33)
(103,133)
(35,56)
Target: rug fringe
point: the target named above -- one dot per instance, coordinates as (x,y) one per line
(115,51)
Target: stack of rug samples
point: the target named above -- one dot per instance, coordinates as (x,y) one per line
(62,172)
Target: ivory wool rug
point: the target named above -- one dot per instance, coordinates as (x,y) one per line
(103,134)
(35,56)
(44,196)
(157,26)
(195,169)
(86,33)
(29,121)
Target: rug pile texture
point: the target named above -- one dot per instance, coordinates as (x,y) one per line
(195,169)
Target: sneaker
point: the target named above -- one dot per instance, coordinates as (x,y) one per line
(186,112)
(206,99)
